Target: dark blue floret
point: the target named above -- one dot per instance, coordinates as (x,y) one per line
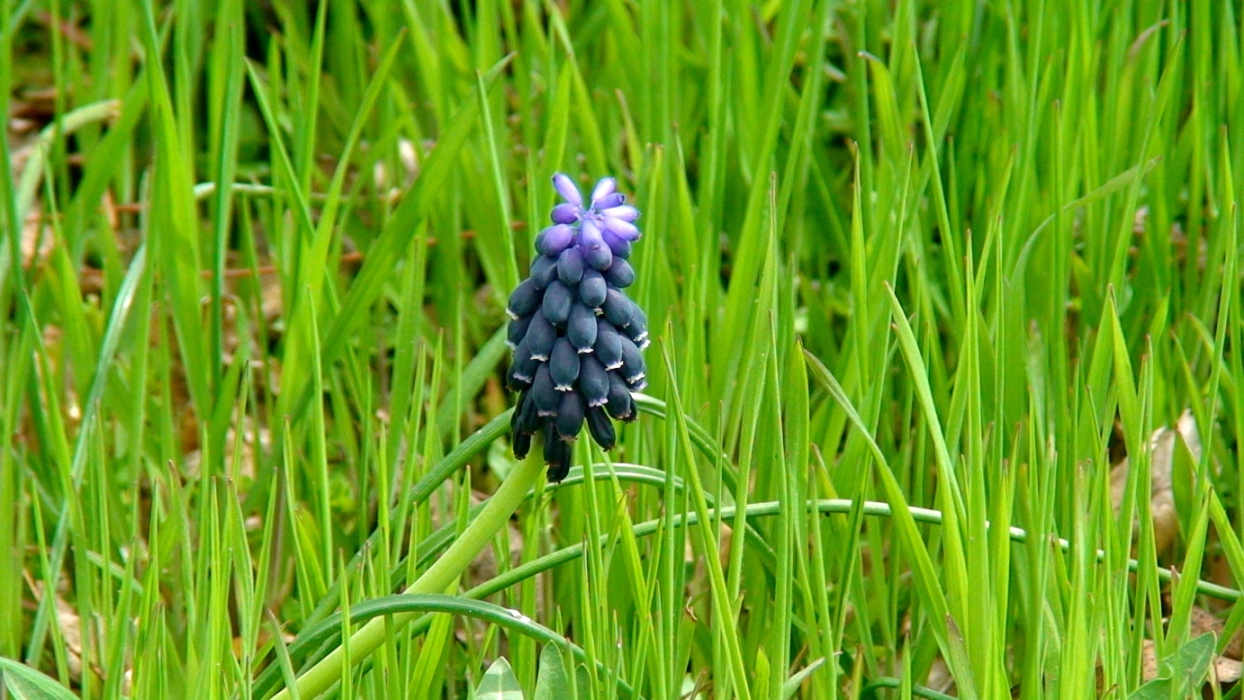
(523,370)
(528,418)
(524,300)
(570,266)
(637,330)
(633,370)
(557,455)
(522,444)
(569,420)
(523,398)
(557,300)
(540,337)
(543,271)
(564,365)
(592,289)
(620,405)
(608,347)
(617,308)
(542,392)
(619,274)
(593,381)
(601,428)
(516,330)
(581,328)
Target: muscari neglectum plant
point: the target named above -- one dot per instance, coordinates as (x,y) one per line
(578,342)
(577,338)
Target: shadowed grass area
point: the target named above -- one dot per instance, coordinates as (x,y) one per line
(944,391)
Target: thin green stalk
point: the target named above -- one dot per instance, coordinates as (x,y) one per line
(477,535)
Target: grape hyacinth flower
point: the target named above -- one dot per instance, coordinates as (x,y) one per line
(577,338)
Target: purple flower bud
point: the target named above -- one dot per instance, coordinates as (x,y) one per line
(581,328)
(604,187)
(567,189)
(601,428)
(554,239)
(625,212)
(620,247)
(609,201)
(592,289)
(622,229)
(570,266)
(592,243)
(565,213)
(569,420)
(557,300)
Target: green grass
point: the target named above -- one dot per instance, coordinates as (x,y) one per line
(918,275)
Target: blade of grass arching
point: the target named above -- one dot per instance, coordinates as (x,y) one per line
(435,648)
(33,173)
(950,493)
(722,604)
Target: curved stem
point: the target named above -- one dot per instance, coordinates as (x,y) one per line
(436,579)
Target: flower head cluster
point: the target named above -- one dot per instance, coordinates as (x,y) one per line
(577,337)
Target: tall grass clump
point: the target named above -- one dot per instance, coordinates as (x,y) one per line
(942,398)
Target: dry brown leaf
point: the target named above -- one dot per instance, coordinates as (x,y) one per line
(1227,670)
(1161,497)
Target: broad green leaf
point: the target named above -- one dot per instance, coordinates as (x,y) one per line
(552,683)
(25,683)
(499,683)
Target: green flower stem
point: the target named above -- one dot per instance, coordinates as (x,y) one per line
(436,579)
